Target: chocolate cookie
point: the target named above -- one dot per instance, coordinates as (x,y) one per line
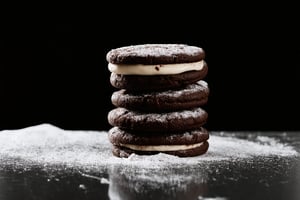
(190,96)
(160,98)
(189,143)
(155,54)
(158,122)
(137,83)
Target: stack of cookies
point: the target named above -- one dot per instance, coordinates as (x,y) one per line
(159,101)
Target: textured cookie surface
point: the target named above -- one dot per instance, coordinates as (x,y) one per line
(157,122)
(190,96)
(155,54)
(118,136)
(183,144)
(158,82)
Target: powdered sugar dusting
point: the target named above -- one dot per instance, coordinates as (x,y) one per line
(147,51)
(48,145)
(159,117)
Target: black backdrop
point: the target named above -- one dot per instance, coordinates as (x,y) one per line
(54,70)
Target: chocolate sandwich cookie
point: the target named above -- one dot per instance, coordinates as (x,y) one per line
(190,96)
(158,122)
(189,143)
(156,66)
(157,82)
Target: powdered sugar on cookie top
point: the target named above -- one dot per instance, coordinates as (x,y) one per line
(155,54)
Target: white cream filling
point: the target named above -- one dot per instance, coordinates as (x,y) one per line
(160,69)
(161,147)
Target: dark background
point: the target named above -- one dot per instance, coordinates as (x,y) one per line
(53,67)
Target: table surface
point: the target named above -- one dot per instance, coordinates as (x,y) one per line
(265,176)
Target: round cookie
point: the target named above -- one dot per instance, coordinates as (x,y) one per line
(189,143)
(190,96)
(155,54)
(158,122)
(137,83)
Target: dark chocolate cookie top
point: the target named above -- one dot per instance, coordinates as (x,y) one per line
(158,122)
(118,136)
(183,98)
(155,54)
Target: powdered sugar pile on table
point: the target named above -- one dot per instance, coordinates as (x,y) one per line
(48,145)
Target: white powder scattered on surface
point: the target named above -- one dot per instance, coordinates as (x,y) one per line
(232,158)
(48,145)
